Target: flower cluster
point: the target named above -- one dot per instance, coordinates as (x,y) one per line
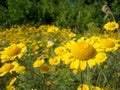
(50,58)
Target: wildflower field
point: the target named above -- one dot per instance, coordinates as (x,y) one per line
(48,57)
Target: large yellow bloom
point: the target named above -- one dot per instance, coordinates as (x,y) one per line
(81,53)
(111,26)
(13,51)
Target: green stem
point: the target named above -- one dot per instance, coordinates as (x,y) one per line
(112,15)
(81,77)
(87,74)
(98,78)
(101,73)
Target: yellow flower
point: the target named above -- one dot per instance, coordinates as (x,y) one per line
(94,39)
(111,26)
(16,66)
(52,29)
(54,60)
(83,87)
(8,67)
(60,50)
(13,51)
(9,87)
(82,53)
(95,88)
(12,81)
(45,68)
(67,58)
(71,34)
(86,87)
(109,44)
(21,69)
(38,62)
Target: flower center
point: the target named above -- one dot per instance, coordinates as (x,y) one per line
(112,25)
(13,50)
(83,51)
(45,68)
(108,43)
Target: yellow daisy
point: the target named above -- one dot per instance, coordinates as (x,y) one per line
(21,69)
(95,88)
(110,26)
(12,81)
(83,87)
(109,44)
(71,34)
(45,68)
(60,50)
(9,87)
(13,51)
(38,62)
(81,53)
(87,87)
(55,60)
(52,29)
(6,68)
(94,39)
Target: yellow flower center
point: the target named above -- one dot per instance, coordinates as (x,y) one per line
(45,68)
(83,51)
(112,25)
(13,50)
(108,44)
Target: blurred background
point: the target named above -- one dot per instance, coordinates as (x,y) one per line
(77,14)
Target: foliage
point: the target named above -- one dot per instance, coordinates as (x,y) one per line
(69,13)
